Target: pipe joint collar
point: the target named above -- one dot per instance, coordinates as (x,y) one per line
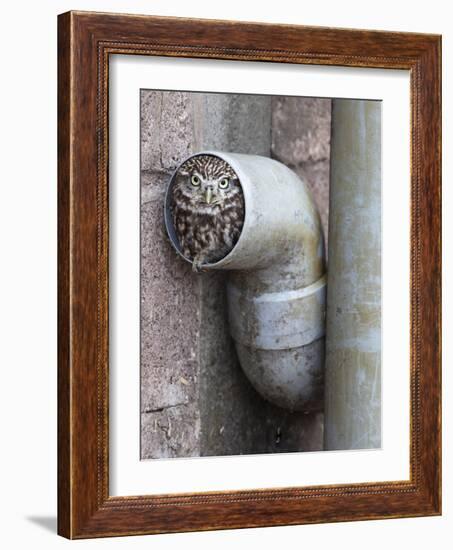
(278,320)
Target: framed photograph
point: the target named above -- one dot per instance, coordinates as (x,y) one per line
(249,275)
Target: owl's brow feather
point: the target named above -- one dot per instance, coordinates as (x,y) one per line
(208,166)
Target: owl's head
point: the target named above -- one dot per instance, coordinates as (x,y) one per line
(207,182)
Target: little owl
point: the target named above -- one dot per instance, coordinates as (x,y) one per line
(207,208)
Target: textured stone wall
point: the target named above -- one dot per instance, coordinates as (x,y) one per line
(170,413)
(301,140)
(195,399)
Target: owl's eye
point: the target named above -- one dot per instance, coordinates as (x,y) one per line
(224,183)
(195,181)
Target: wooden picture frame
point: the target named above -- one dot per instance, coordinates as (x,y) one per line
(85,41)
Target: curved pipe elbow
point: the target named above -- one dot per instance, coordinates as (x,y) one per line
(276,285)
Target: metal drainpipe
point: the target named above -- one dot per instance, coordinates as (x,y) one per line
(277,283)
(353,341)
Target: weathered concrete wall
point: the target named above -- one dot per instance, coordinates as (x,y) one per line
(301,140)
(196,401)
(353,336)
(170,295)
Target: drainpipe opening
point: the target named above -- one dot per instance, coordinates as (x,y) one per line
(169,219)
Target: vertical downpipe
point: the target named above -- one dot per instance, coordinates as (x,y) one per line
(353,329)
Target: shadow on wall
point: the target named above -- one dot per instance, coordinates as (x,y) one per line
(48,523)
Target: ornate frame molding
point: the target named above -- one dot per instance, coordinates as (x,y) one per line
(86,40)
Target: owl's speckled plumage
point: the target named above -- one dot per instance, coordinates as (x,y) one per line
(207,208)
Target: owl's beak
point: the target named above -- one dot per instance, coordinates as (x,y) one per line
(208,195)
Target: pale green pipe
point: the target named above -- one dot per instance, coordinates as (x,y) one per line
(353,329)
